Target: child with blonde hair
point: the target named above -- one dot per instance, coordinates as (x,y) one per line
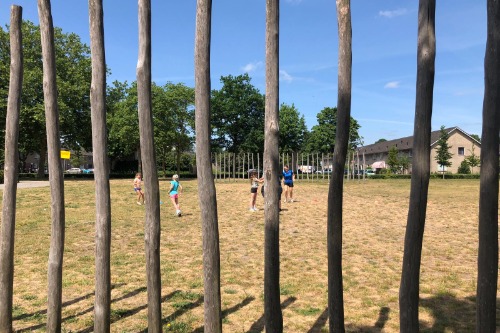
(174,192)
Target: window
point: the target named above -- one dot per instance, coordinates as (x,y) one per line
(461,151)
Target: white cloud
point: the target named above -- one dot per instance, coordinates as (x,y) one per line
(251,67)
(284,76)
(392,85)
(393,13)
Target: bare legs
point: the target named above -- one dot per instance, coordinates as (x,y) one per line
(175,202)
(140,195)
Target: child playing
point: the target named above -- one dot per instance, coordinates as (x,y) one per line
(174,192)
(288,178)
(137,188)
(254,186)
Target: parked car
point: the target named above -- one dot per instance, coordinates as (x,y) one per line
(74,171)
(370,173)
(88,170)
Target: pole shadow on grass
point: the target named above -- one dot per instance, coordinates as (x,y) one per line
(259,325)
(452,314)
(91,309)
(383,317)
(226,312)
(68,303)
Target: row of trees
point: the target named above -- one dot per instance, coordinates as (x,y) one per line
(237,109)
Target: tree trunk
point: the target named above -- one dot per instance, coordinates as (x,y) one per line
(410,277)
(335,192)
(55,168)
(487,277)
(272,305)
(152,193)
(206,185)
(11,170)
(41,161)
(102,305)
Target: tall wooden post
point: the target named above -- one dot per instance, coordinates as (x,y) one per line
(272,306)
(152,195)
(206,186)
(410,276)
(335,193)
(56,251)
(10,170)
(102,305)
(487,277)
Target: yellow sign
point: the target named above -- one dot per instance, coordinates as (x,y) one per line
(65,154)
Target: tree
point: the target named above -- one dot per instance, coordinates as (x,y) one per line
(152,195)
(464,168)
(404,162)
(381,140)
(56,252)
(173,114)
(473,160)
(410,275)
(476,137)
(73,79)
(443,154)
(335,192)
(11,172)
(393,160)
(123,123)
(206,186)
(323,136)
(293,129)
(487,272)
(237,115)
(102,304)
(272,305)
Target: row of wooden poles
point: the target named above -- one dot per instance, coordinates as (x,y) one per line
(306,166)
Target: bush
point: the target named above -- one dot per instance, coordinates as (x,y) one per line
(464,168)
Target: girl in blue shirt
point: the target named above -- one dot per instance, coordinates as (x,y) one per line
(174,192)
(288,178)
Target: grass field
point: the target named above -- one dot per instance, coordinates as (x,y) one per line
(375,213)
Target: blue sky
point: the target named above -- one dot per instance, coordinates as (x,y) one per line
(384,53)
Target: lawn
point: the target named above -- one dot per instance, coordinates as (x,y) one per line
(375,213)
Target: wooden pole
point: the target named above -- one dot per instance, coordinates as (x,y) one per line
(10,170)
(206,188)
(152,195)
(102,303)
(56,251)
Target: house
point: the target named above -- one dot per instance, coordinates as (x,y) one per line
(461,145)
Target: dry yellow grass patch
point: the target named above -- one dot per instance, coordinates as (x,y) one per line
(375,213)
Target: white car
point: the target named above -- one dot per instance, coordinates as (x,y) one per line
(74,171)
(369,173)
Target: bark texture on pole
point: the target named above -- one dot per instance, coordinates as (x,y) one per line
(55,169)
(272,305)
(102,305)
(410,277)
(335,192)
(487,277)
(11,170)
(206,186)
(152,195)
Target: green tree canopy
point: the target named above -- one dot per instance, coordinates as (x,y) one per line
(393,159)
(473,160)
(443,154)
(172,107)
(322,136)
(73,67)
(293,129)
(237,115)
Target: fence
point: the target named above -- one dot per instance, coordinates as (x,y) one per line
(306,166)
